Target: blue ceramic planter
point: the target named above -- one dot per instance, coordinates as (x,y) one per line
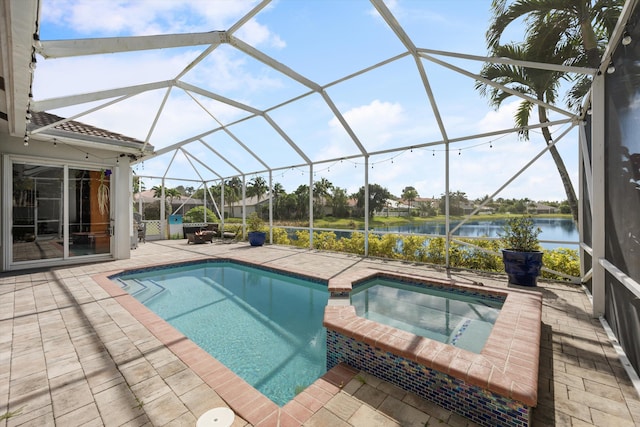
(257,238)
(523,268)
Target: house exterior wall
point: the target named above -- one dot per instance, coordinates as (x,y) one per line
(45,152)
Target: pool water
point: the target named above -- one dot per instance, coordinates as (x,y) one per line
(455,318)
(264,326)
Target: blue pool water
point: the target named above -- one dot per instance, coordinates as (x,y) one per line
(455,318)
(264,326)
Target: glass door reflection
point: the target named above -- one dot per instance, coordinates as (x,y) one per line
(37,212)
(89,212)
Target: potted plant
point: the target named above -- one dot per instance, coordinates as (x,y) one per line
(256,229)
(521,254)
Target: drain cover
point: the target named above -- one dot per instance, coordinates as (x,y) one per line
(217,417)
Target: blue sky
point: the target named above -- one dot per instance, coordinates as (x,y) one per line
(324,41)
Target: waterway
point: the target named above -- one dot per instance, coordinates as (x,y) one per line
(553,229)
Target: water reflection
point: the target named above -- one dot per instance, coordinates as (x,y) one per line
(557,229)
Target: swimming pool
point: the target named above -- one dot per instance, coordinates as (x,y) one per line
(460,319)
(264,326)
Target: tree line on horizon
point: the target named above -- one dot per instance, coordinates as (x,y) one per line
(333,201)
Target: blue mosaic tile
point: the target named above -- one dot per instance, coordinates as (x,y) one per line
(424,283)
(220,261)
(479,405)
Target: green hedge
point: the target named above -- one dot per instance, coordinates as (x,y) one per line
(428,250)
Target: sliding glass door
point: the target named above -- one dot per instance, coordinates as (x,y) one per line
(59,212)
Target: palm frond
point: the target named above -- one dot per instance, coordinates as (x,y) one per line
(523,113)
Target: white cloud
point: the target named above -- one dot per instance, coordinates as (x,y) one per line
(257,34)
(374,123)
(143,17)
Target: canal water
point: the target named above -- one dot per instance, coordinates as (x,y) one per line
(556,229)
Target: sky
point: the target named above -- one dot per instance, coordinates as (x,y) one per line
(387,108)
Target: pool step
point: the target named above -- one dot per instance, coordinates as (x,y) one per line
(142,289)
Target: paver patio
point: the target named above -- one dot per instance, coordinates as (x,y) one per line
(72,353)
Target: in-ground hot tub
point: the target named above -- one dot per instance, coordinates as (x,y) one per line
(497,386)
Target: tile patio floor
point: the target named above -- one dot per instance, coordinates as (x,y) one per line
(75,354)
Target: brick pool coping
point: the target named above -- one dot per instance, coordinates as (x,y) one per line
(512,373)
(508,363)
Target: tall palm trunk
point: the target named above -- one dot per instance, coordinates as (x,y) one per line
(562,170)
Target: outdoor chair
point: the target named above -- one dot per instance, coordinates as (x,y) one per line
(215,228)
(142,232)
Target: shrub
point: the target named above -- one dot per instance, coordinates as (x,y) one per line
(325,240)
(413,248)
(564,260)
(417,248)
(280,237)
(435,251)
(520,234)
(302,239)
(197,215)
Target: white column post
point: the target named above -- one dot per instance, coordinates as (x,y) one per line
(366,205)
(163,219)
(598,196)
(311,206)
(270,206)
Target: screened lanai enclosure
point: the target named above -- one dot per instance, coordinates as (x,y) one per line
(328,97)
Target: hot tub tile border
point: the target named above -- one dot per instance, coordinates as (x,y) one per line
(506,370)
(467,399)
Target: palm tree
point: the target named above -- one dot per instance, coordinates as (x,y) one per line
(257,188)
(169,193)
(232,192)
(157,191)
(277,192)
(339,202)
(540,84)
(585,25)
(172,193)
(302,200)
(583,22)
(409,194)
(321,193)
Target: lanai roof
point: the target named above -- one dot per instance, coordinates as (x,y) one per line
(257,88)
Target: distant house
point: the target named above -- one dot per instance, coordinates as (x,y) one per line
(179,205)
(539,208)
(251,204)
